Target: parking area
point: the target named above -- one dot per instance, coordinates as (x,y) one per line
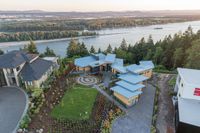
(138,118)
(13,105)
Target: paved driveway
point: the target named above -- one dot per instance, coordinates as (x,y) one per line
(13,104)
(139,117)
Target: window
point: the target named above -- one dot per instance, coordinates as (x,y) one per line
(29,83)
(18,68)
(181,84)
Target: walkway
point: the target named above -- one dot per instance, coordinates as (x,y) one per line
(138,118)
(106,78)
(13,104)
(110,98)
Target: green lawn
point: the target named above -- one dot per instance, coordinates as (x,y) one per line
(76,104)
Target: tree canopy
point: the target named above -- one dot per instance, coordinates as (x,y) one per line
(31,48)
(49,52)
(76,49)
(1,52)
(92,50)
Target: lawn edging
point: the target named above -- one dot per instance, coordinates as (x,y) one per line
(155,109)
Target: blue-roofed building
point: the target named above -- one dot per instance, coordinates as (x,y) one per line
(144,68)
(118,66)
(110,58)
(100,62)
(127,97)
(132,78)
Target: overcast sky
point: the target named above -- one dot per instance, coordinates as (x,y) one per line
(99,5)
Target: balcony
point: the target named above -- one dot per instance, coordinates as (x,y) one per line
(10,75)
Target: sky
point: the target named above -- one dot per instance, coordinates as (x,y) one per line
(99,5)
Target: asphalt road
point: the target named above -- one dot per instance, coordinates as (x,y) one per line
(13,104)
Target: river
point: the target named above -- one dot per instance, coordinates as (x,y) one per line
(109,36)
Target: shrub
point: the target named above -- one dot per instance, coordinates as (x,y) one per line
(25,121)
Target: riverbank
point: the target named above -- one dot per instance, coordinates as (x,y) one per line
(109,36)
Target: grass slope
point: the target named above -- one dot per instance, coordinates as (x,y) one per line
(76,104)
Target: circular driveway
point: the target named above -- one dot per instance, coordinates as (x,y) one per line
(13,105)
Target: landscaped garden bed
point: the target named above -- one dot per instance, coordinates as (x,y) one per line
(69,107)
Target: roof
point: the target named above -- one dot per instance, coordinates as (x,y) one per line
(110,58)
(135,68)
(35,70)
(147,64)
(119,65)
(50,58)
(84,61)
(132,78)
(143,66)
(100,56)
(128,94)
(190,76)
(15,58)
(96,63)
(130,87)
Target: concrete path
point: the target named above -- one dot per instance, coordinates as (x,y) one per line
(110,98)
(138,118)
(13,105)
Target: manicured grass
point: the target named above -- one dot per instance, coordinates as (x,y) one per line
(76,104)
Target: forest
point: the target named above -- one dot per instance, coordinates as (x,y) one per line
(180,50)
(89,24)
(41,35)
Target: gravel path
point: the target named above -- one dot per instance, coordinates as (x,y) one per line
(138,118)
(165,119)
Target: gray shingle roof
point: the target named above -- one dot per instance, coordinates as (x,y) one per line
(35,70)
(15,58)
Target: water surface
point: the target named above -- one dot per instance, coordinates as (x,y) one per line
(110,36)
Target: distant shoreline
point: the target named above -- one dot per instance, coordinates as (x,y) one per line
(14,43)
(18,43)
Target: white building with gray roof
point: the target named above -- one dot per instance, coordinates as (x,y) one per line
(21,67)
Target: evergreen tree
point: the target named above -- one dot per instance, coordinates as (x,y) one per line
(124,45)
(193,59)
(49,52)
(31,48)
(73,49)
(92,50)
(83,50)
(109,49)
(99,50)
(178,57)
(158,55)
(149,55)
(1,52)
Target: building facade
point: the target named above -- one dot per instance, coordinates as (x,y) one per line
(187,104)
(19,67)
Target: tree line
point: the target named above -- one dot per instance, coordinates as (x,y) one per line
(82,24)
(41,35)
